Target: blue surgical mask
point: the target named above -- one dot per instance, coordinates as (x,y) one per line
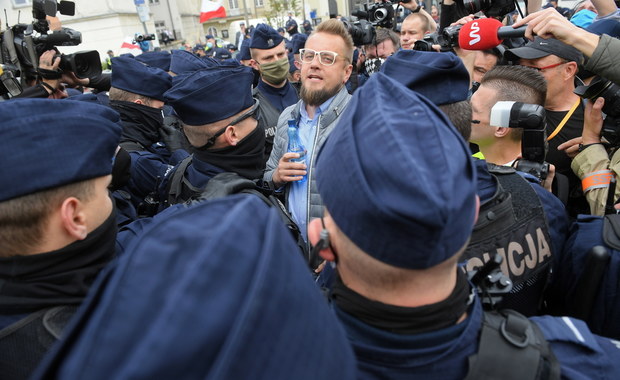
(209,45)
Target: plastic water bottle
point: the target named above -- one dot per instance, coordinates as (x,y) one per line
(295,145)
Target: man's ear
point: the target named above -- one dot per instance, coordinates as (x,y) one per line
(570,70)
(254,65)
(314,236)
(73,218)
(501,131)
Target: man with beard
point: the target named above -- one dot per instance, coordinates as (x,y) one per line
(274,92)
(325,68)
(57,225)
(137,95)
(223,132)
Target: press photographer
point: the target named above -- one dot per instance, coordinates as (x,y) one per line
(31,54)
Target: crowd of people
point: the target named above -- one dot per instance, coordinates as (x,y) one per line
(452,214)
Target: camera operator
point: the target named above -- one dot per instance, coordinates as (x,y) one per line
(53,80)
(386,43)
(415,25)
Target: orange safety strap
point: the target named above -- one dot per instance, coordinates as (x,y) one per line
(561,125)
(597,180)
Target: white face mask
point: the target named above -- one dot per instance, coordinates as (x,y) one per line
(373,65)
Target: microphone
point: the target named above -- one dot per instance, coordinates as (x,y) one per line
(486,33)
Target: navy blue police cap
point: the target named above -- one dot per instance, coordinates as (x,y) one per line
(298,41)
(441,77)
(397,178)
(159,59)
(291,63)
(611,27)
(49,143)
(183,61)
(265,37)
(199,295)
(244,52)
(209,37)
(138,78)
(211,95)
(221,54)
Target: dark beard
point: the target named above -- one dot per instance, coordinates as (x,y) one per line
(316,98)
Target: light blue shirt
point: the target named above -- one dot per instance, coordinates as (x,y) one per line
(298,192)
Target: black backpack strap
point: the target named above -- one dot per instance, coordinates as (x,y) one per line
(511,347)
(24,343)
(174,188)
(132,146)
(225,184)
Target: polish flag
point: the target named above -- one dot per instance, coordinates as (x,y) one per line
(130,46)
(211,9)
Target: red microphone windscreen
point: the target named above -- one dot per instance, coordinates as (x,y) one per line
(480,34)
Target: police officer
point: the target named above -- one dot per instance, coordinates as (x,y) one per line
(395,228)
(202,287)
(275,93)
(223,132)
(57,225)
(499,189)
(137,95)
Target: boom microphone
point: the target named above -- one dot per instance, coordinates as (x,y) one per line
(486,33)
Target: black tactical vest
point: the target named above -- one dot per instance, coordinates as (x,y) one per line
(513,225)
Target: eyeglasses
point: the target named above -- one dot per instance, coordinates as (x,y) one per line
(326,58)
(547,67)
(236,121)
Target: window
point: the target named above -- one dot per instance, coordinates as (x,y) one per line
(211,30)
(155,2)
(233,4)
(224,33)
(259,3)
(21,3)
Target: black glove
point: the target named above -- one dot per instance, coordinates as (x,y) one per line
(170,133)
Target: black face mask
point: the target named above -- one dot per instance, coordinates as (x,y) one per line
(62,277)
(247,158)
(141,123)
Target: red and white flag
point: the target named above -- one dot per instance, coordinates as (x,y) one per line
(132,48)
(211,9)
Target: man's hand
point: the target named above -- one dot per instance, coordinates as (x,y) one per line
(69,78)
(592,126)
(48,62)
(571,147)
(549,23)
(593,121)
(549,180)
(288,171)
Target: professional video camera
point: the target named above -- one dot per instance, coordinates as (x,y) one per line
(23,44)
(447,39)
(380,14)
(601,87)
(491,8)
(139,37)
(532,118)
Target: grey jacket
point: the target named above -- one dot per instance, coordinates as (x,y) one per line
(327,121)
(605,59)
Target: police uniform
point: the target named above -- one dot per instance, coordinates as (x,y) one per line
(402,213)
(188,97)
(273,100)
(519,220)
(49,144)
(201,303)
